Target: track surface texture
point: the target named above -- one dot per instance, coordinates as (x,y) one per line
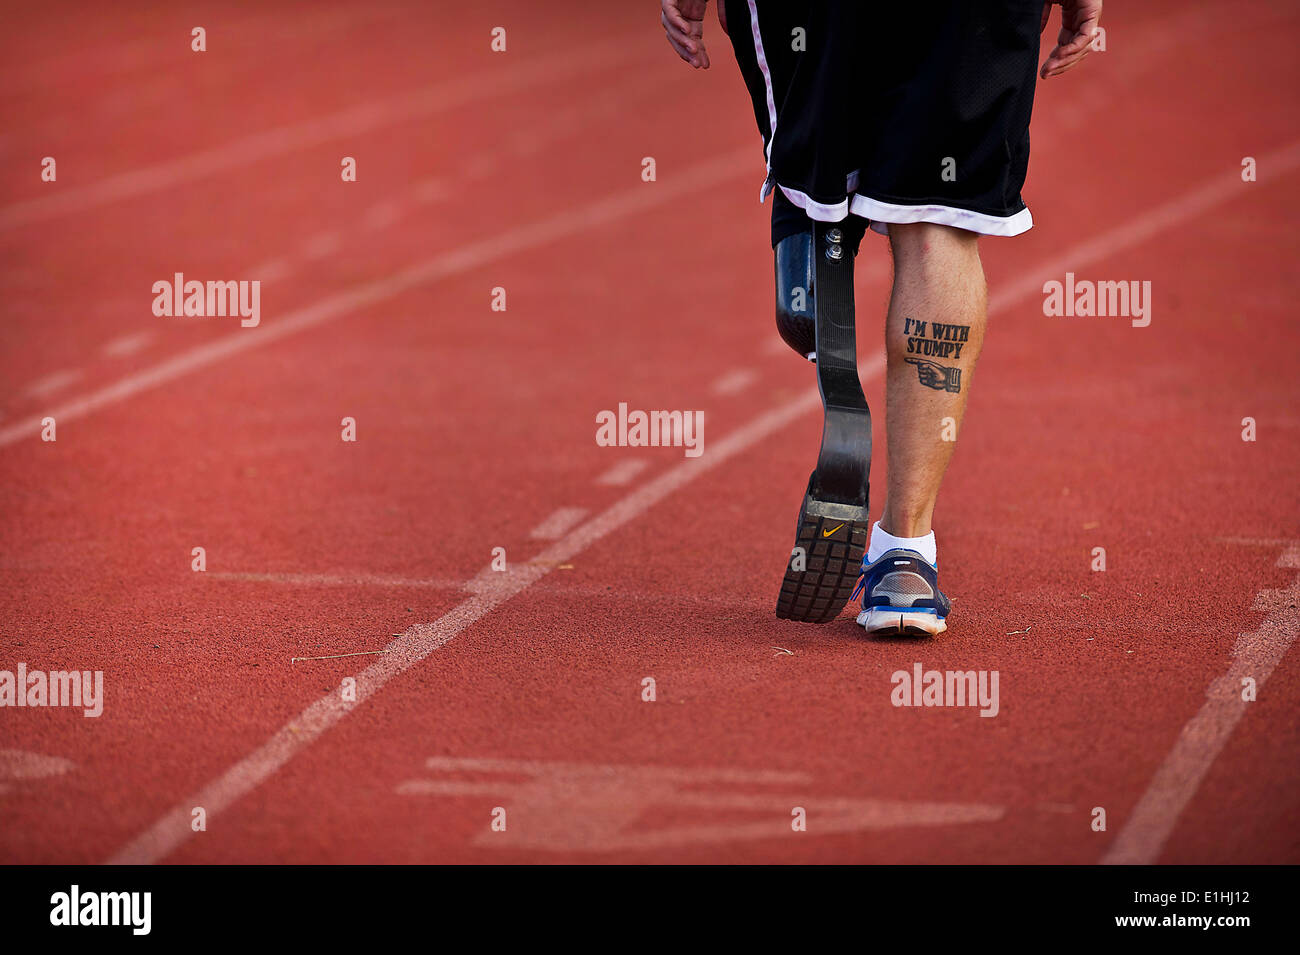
(520,694)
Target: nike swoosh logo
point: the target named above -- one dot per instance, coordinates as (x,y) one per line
(831,531)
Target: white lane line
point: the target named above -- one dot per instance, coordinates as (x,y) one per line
(734,382)
(382,214)
(347,124)
(321,245)
(1255,541)
(261,32)
(127,344)
(491,588)
(17,764)
(56,381)
(341,580)
(271,271)
(431,190)
(623,472)
(568,807)
(563,587)
(558,524)
(454,262)
(1254,655)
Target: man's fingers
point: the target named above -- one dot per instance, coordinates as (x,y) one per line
(680,50)
(1056,65)
(678,38)
(1088,28)
(685,30)
(688,48)
(1073,43)
(674,16)
(691,37)
(684,53)
(1078,35)
(1072,52)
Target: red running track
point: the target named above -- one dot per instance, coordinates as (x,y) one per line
(522,690)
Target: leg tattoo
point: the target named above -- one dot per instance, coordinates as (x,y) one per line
(937,376)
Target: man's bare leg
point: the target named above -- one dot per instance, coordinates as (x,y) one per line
(933,335)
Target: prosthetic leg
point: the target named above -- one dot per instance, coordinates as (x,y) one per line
(832,530)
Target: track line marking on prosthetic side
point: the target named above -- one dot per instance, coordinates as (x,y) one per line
(735,382)
(321,245)
(127,344)
(561,586)
(1255,541)
(18,767)
(56,381)
(389,211)
(450,263)
(623,472)
(575,807)
(431,190)
(340,580)
(558,524)
(382,214)
(341,125)
(1254,655)
(492,589)
(272,271)
(128,60)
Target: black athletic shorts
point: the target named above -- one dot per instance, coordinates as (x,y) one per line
(897,111)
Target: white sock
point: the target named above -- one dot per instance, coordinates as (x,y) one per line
(882,541)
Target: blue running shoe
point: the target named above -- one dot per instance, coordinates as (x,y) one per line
(901,596)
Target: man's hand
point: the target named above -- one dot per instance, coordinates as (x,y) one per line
(684,22)
(1078,22)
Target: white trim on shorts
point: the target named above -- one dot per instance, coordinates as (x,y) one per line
(882,213)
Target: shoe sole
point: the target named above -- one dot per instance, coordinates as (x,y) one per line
(889,622)
(832,539)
